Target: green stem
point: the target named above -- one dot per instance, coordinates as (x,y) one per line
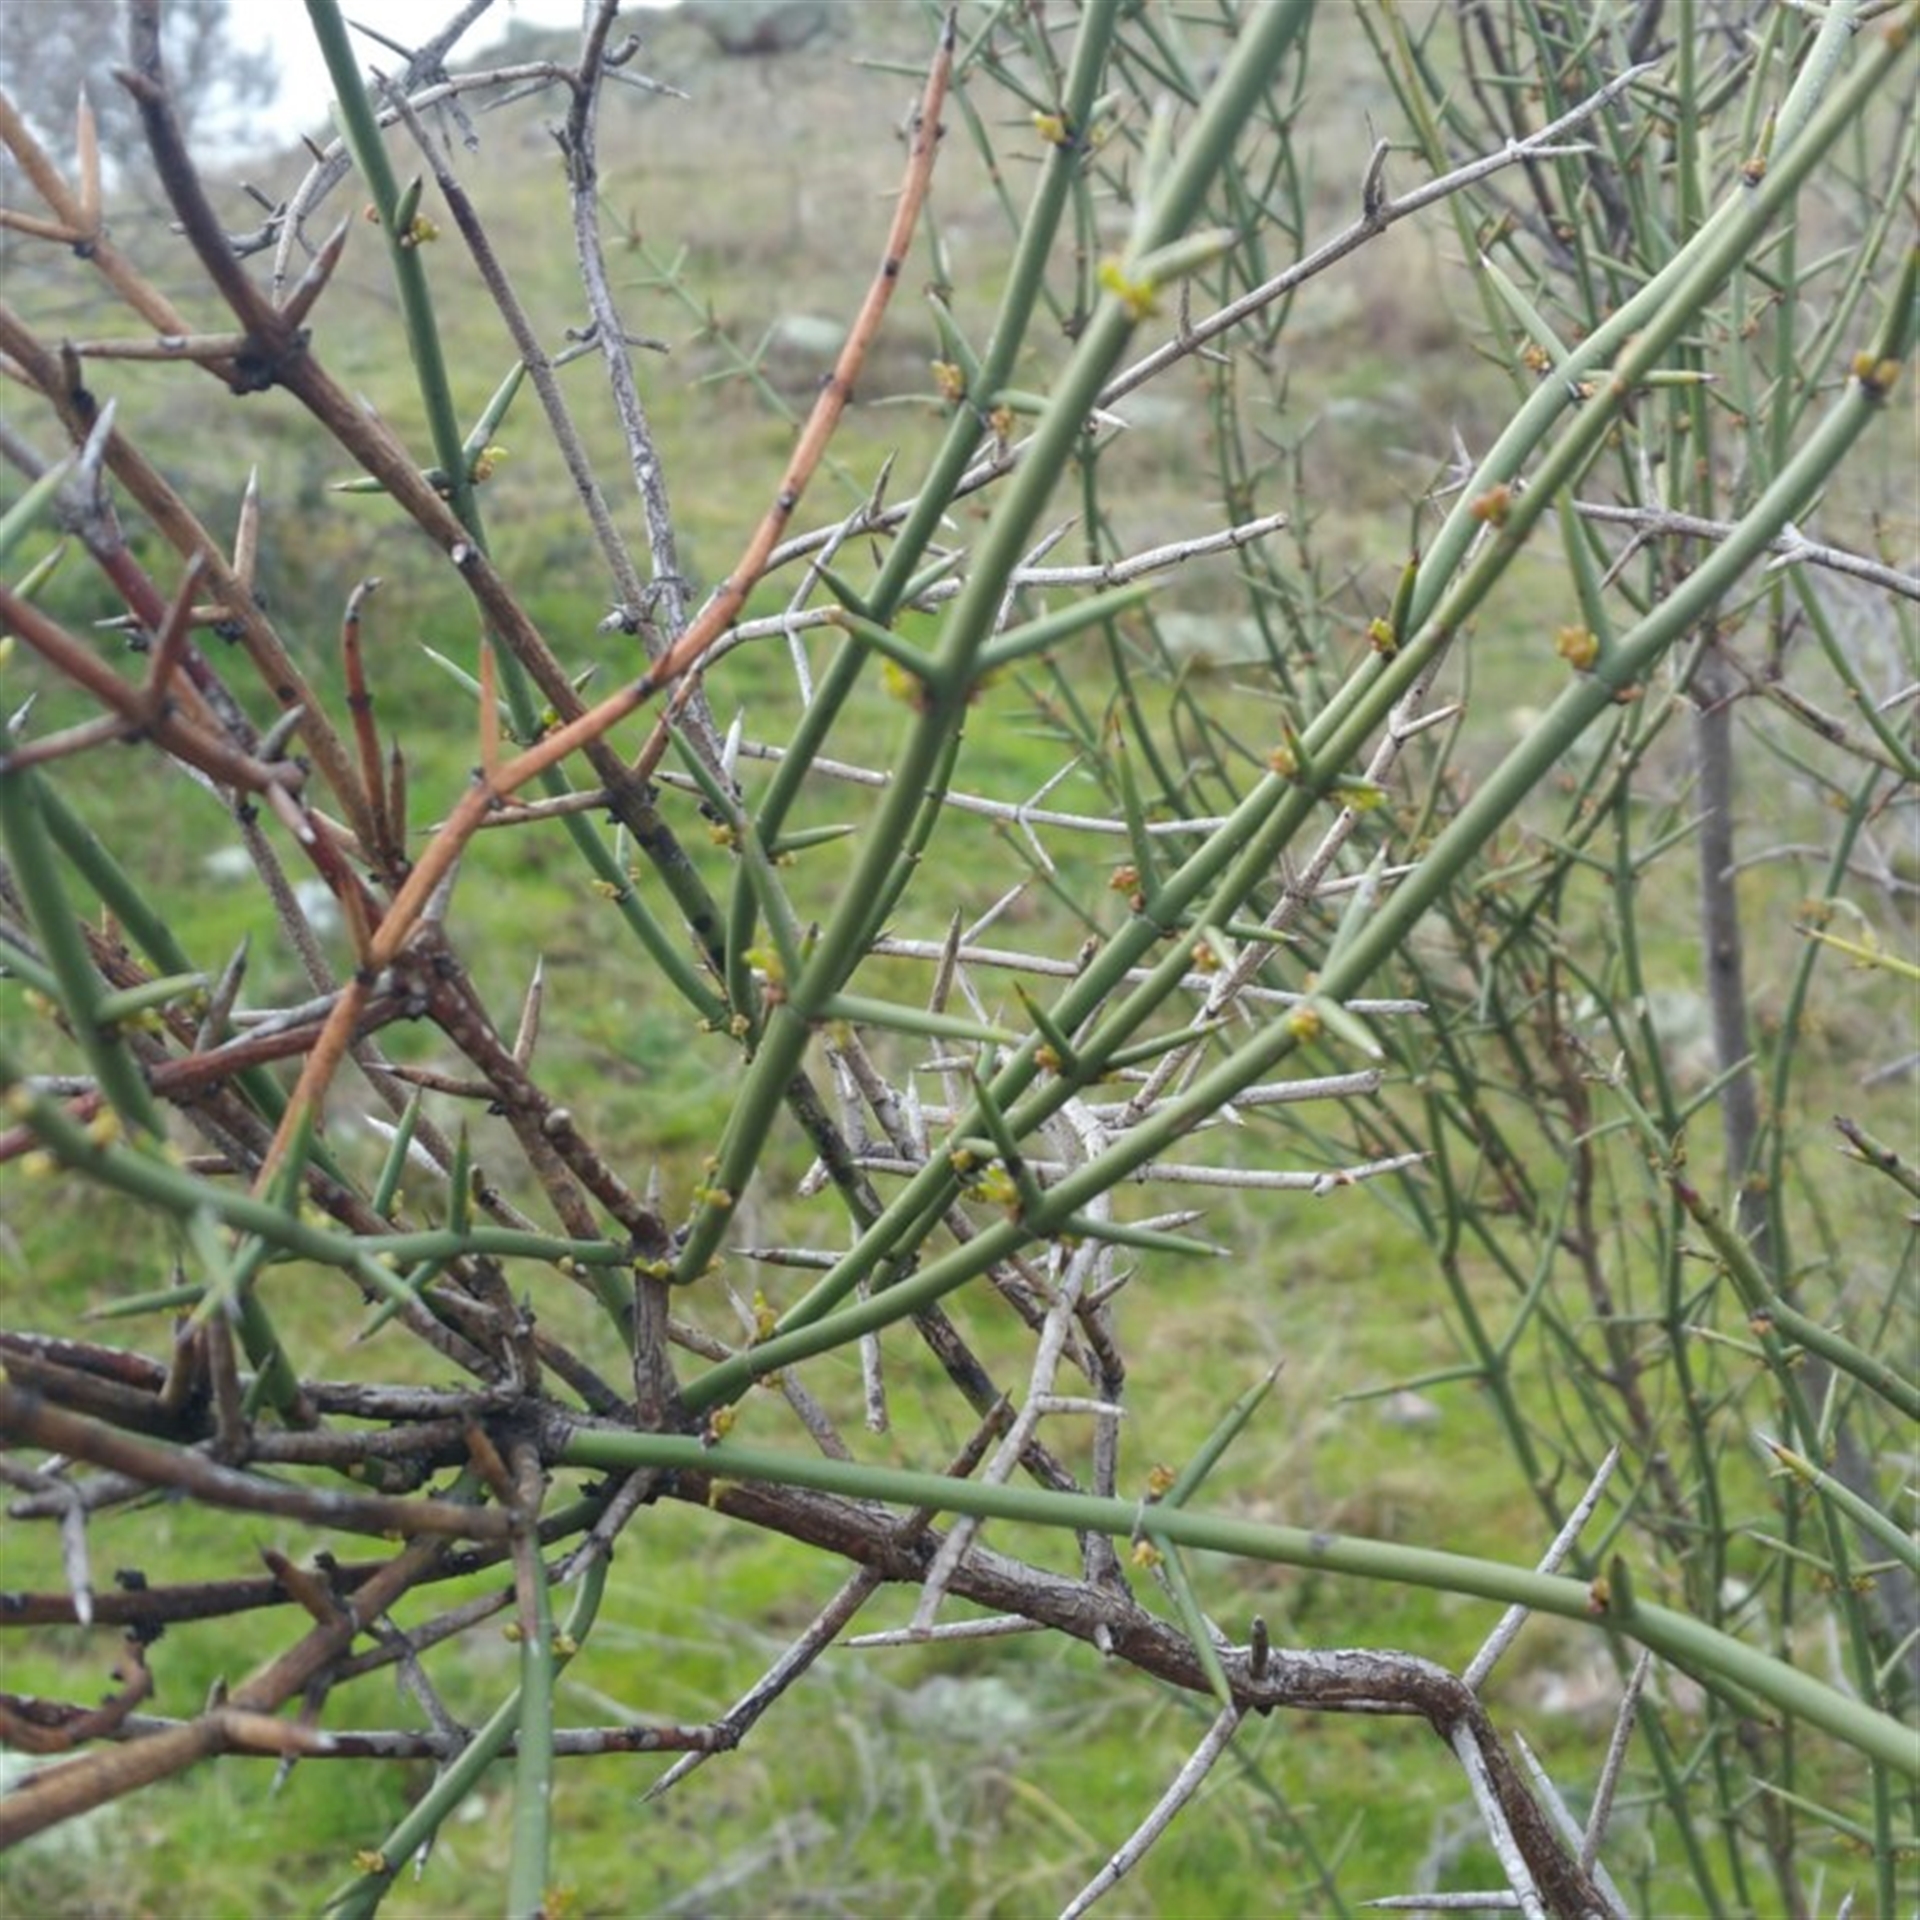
(23,825)
(1026,281)
(1864,1515)
(1766,1307)
(1709,1655)
(360,1899)
(143,1176)
(361,128)
(1500,795)
(423,340)
(881,872)
(540,1660)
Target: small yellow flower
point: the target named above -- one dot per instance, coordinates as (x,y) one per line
(903,686)
(995,1188)
(1363,796)
(1579,647)
(1138,295)
(1877,376)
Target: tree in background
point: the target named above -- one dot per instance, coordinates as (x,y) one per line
(50,49)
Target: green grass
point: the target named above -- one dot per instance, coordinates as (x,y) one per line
(979,1780)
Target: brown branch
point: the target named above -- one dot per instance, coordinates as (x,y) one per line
(78,1389)
(27,1730)
(62,1793)
(77,226)
(721,611)
(176,523)
(184,1078)
(26,1418)
(72,658)
(437,861)
(1108,1618)
(554,1146)
(147,1608)
(24,1719)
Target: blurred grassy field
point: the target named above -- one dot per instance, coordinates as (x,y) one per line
(984,1780)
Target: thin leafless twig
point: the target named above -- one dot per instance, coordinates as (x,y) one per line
(1185,1784)
(1510,1622)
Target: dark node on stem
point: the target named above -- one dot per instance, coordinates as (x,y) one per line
(262,362)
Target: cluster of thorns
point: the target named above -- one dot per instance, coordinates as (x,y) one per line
(224,1420)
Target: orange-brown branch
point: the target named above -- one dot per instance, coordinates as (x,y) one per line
(438,859)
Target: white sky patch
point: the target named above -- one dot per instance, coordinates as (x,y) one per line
(281,25)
